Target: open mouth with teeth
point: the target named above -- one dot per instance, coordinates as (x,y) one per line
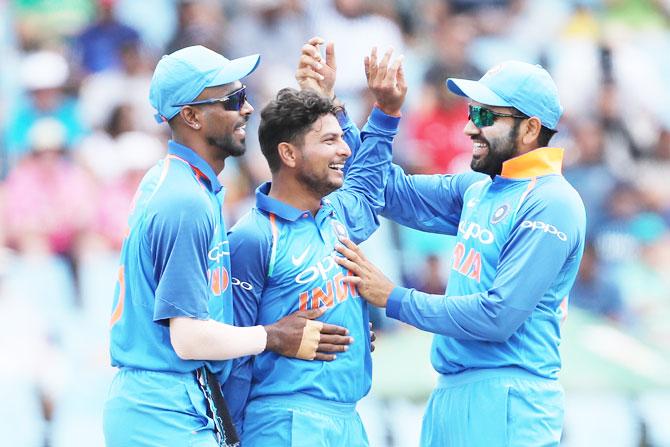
(336,166)
(479,148)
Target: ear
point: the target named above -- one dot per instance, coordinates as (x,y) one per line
(532,130)
(191,117)
(288,154)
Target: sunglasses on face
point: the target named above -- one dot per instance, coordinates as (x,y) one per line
(483,117)
(233,101)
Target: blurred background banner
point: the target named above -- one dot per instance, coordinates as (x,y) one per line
(77,134)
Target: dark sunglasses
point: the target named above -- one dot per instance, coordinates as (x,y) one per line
(232,101)
(483,117)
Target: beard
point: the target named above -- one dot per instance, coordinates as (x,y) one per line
(228,146)
(499,151)
(321,186)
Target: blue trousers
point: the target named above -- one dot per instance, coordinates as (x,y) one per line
(156,409)
(494,407)
(302,421)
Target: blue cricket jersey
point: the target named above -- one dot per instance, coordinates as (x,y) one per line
(519,242)
(175,262)
(283,262)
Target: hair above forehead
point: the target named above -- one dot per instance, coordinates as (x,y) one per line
(288,117)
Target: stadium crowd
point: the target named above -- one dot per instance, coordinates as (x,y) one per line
(77,133)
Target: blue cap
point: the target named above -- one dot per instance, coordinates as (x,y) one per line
(181,76)
(528,88)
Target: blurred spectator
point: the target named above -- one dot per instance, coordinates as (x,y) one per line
(651,174)
(595,291)
(200,22)
(99,46)
(645,280)
(44,75)
(590,176)
(428,278)
(100,93)
(29,367)
(48,199)
(136,152)
(437,142)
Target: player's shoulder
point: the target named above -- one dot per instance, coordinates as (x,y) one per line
(254,227)
(556,191)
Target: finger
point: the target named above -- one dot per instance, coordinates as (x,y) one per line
(353,247)
(306,60)
(340,340)
(366,64)
(325,357)
(312,313)
(351,266)
(349,253)
(333,329)
(355,280)
(383,65)
(373,336)
(311,50)
(392,73)
(372,64)
(316,40)
(330,55)
(370,324)
(402,84)
(308,73)
(326,347)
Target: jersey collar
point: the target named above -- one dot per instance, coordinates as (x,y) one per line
(538,162)
(197,163)
(268,204)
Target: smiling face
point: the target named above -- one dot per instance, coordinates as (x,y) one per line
(495,144)
(224,129)
(321,157)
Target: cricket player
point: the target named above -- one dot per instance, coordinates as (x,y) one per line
(519,230)
(284,249)
(171,331)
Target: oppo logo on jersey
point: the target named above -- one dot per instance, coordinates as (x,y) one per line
(545,227)
(316,271)
(475,231)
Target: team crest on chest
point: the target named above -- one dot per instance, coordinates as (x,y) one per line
(500,213)
(339,229)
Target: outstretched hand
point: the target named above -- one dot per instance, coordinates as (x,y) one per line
(387,83)
(298,335)
(371,283)
(315,73)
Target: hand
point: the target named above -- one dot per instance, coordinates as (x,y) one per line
(386,83)
(371,283)
(297,335)
(313,72)
(373,337)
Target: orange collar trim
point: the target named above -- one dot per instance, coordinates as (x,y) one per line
(538,162)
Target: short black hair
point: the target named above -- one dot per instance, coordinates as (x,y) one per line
(287,118)
(546,134)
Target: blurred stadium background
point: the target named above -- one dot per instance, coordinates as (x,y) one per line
(77,134)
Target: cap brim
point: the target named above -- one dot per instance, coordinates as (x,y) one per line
(236,70)
(476,91)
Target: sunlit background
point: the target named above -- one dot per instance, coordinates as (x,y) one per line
(77,133)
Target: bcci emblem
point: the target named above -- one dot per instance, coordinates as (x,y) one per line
(339,230)
(500,214)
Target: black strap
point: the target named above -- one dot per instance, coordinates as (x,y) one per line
(223,422)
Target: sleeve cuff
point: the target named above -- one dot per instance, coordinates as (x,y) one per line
(343,118)
(393,305)
(383,121)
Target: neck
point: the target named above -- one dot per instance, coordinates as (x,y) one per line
(289,190)
(201,148)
